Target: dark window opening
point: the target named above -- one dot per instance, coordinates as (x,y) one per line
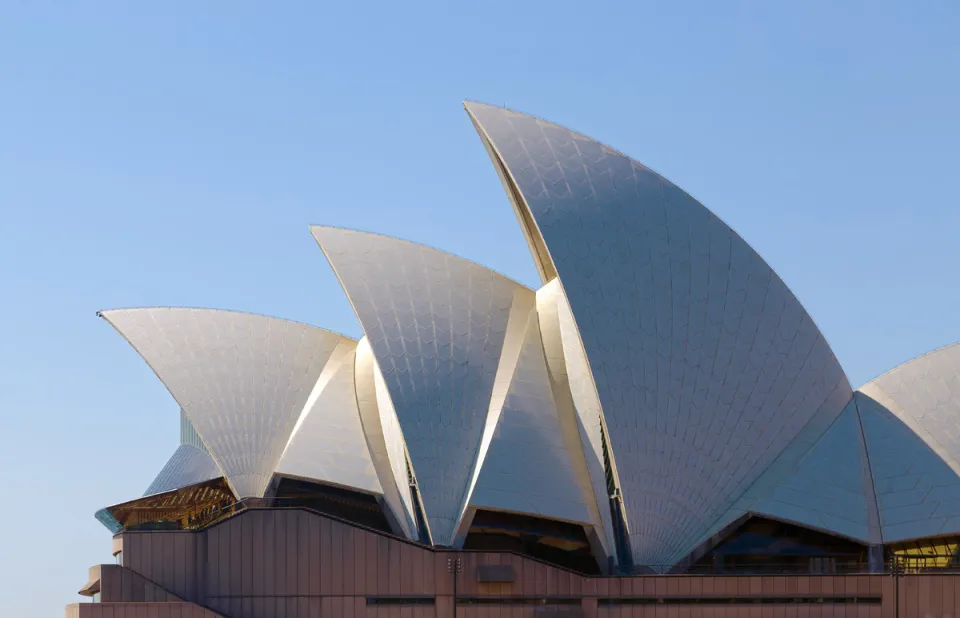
(763,545)
(353,506)
(401,601)
(560,543)
(519,601)
(740,601)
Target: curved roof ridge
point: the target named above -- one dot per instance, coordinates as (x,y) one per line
(422,245)
(101,312)
(909,362)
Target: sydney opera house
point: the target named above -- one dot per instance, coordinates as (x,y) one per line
(659,429)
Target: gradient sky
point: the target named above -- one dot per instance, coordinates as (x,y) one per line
(175,155)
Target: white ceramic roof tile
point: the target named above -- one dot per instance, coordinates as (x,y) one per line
(187,466)
(705,364)
(328,443)
(241,379)
(436,324)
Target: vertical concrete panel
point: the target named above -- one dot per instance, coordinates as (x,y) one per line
(259,605)
(659,587)
(910,593)
(395,566)
(417,566)
(444,607)
(924,585)
(695,586)
(303,554)
(430,573)
(248,534)
(949,598)
(348,554)
(360,564)
(792,584)
(673,586)
(223,560)
(370,564)
(336,559)
(553,582)
(279,558)
(326,557)
(313,555)
(384,547)
(181,568)
(525,577)
(235,567)
(289,552)
(210,571)
(257,575)
(165,562)
(540,578)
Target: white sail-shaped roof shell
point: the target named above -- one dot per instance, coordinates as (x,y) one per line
(437,326)
(243,380)
(705,364)
(328,442)
(911,420)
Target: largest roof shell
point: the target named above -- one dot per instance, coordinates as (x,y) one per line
(705,364)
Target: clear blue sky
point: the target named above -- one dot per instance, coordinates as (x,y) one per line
(176,156)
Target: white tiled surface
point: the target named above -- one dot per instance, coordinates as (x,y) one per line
(529,467)
(830,487)
(918,493)
(241,379)
(328,443)
(187,466)
(705,364)
(436,324)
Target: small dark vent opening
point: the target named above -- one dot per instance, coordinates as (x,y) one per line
(763,545)
(353,506)
(560,543)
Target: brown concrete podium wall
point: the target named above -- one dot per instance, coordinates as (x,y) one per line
(299,564)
